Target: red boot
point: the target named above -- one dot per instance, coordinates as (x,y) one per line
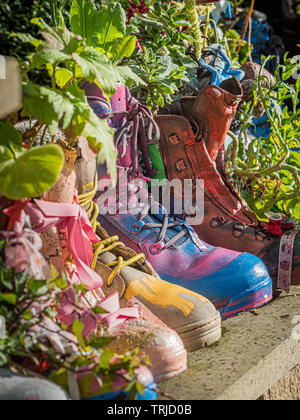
(227,222)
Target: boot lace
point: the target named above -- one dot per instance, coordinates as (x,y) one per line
(108,244)
(132,127)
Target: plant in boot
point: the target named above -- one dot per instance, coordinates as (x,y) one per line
(69,61)
(126,271)
(104,28)
(32,340)
(161,61)
(228,222)
(161,76)
(269,180)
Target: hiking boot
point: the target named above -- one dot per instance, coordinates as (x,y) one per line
(227,220)
(124,271)
(231,281)
(222,102)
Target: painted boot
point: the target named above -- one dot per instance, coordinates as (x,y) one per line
(123,270)
(132,324)
(83,383)
(233,282)
(227,222)
(58,218)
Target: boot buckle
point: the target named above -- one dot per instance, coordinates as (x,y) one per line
(238,230)
(174,139)
(137,228)
(217,221)
(157,248)
(181,166)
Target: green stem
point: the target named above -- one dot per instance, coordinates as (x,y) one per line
(206,28)
(53,78)
(191,10)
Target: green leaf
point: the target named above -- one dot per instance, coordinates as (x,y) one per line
(51,106)
(81,288)
(27,316)
(127,76)
(96,67)
(9,135)
(105,359)
(98,310)
(31,173)
(3,359)
(39,102)
(63,76)
(84,19)
(49,55)
(57,38)
(78,328)
(10,298)
(122,48)
(37,286)
(27,38)
(101,342)
(112,21)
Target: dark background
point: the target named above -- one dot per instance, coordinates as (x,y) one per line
(289,30)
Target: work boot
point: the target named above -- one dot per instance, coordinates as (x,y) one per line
(231,281)
(227,220)
(222,103)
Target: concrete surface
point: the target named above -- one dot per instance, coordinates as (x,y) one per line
(288,388)
(257,350)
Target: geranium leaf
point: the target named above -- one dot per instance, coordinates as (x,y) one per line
(9,135)
(18,177)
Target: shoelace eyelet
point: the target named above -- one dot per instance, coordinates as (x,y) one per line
(137,228)
(157,248)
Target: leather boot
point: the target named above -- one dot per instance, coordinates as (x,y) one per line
(212,112)
(227,221)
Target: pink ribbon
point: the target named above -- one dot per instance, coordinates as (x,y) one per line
(285,261)
(114,316)
(71,219)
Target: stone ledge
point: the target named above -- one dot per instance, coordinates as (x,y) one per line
(257,350)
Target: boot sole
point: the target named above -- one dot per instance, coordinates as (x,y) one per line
(199,335)
(169,364)
(248,301)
